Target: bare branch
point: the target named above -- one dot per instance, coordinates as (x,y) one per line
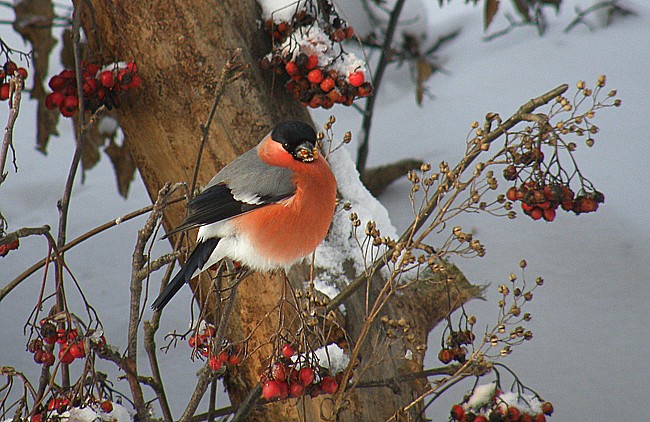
(16,85)
(97,230)
(521,115)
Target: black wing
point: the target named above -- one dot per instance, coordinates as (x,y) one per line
(217,203)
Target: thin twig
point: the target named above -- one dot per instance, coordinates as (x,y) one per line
(24,232)
(230,72)
(384,60)
(16,87)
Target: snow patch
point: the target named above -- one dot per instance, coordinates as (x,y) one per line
(481,396)
(526,403)
(280,10)
(332,357)
(340,245)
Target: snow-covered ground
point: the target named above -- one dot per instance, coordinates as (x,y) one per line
(590,318)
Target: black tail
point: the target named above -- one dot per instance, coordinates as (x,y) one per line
(197,259)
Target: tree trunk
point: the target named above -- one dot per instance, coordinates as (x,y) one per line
(180,48)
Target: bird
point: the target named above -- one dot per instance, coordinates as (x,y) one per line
(267,210)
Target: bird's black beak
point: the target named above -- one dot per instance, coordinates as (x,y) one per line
(305,152)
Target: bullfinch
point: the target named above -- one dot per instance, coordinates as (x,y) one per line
(267,209)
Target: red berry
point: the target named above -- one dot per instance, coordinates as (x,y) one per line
(65,356)
(77,350)
(513,413)
(306,376)
(215,363)
(349,32)
(62,336)
(69,105)
(106,406)
(327,85)
(445,356)
(283,28)
(92,69)
(51,339)
(125,77)
(365,89)
(315,76)
(107,79)
(4,249)
(136,81)
(4,91)
(316,101)
(279,372)
(22,72)
(284,390)
(10,67)
(457,412)
(38,356)
(132,67)
(224,356)
(192,341)
(47,359)
(271,390)
(549,214)
(540,418)
(525,417)
(527,208)
(296,389)
(356,79)
(288,351)
(312,62)
(586,204)
(35,344)
(53,100)
(511,194)
(37,418)
(567,204)
(547,408)
(334,95)
(291,68)
(90,87)
(480,418)
(329,385)
(536,213)
(234,359)
(67,74)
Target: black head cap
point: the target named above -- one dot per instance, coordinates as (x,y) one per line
(298,138)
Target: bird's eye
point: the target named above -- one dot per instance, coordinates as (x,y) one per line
(286,146)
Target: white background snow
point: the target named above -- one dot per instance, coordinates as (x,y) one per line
(590,319)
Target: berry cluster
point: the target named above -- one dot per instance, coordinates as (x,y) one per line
(307,50)
(454,349)
(9,70)
(540,200)
(70,342)
(285,378)
(58,405)
(202,342)
(101,87)
(500,411)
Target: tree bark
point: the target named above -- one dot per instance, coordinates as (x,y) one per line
(180,48)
